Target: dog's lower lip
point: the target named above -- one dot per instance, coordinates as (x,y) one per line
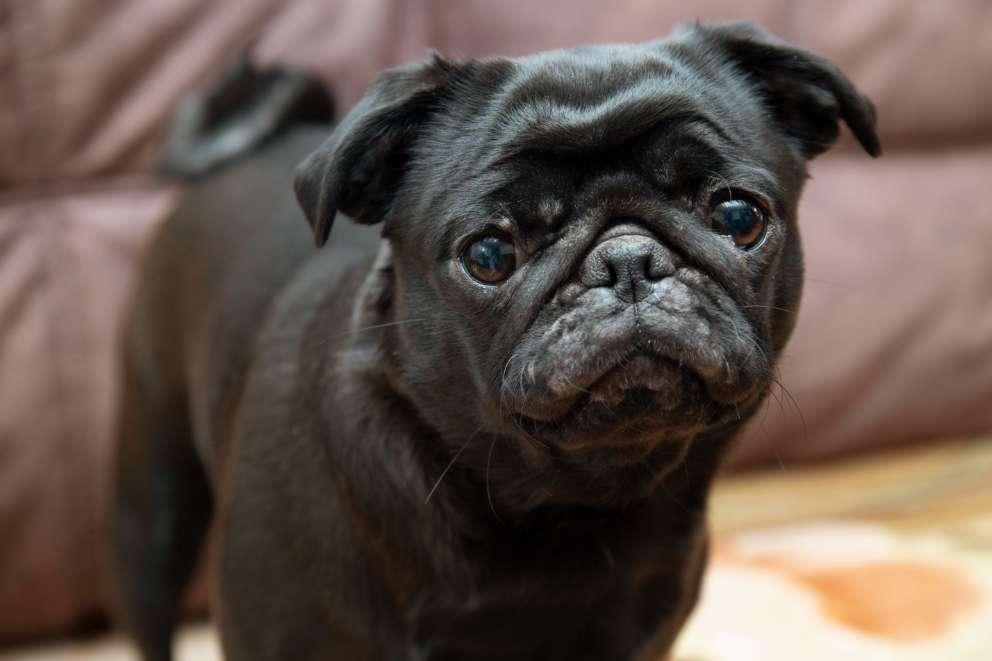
(639,377)
(641,371)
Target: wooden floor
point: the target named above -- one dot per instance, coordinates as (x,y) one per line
(945,485)
(780,531)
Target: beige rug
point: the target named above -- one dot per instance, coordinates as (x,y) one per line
(835,590)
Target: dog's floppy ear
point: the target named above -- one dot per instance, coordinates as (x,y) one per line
(806,94)
(358,169)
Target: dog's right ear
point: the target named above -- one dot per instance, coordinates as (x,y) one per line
(358,169)
(805,94)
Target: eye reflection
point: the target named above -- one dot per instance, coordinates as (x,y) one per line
(491,259)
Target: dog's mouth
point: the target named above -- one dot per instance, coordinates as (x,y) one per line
(643,395)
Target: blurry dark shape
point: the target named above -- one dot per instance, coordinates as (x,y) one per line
(246,107)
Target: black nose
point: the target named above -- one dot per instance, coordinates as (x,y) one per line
(628,263)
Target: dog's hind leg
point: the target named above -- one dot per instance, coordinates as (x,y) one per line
(160,510)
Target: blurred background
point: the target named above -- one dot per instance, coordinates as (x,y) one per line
(855,519)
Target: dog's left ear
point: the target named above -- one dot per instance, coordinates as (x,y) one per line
(807,95)
(358,169)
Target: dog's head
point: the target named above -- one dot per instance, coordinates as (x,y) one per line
(592,254)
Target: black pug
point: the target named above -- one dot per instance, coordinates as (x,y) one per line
(488,433)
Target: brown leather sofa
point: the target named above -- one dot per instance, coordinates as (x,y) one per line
(894,343)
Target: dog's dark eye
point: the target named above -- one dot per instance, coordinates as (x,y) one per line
(741,220)
(490,259)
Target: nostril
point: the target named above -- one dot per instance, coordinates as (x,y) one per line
(643,266)
(612,276)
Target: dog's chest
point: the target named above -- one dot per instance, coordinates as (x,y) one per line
(604,612)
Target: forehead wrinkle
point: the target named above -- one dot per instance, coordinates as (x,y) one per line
(582,77)
(545,127)
(590,98)
(604,63)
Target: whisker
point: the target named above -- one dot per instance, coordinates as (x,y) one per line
(768,307)
(831,283)
(450,464)
(384,325)
(778,399)
(719,177)
(763,418)
(489,493)
(355,331)
(795,405)
(534,441)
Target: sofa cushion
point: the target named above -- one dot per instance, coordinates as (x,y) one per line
(89,85)
(66,262)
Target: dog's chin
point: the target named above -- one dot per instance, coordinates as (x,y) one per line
(642,405)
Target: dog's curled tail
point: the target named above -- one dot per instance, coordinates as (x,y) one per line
(237,113)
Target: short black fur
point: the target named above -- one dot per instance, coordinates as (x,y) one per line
(405,463)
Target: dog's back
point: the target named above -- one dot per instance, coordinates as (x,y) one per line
(210,275)
(207,282)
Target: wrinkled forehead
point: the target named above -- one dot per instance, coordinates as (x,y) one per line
(597,97)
